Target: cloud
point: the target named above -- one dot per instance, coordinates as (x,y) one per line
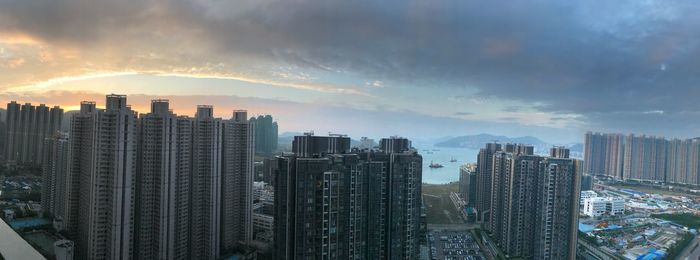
(594,59)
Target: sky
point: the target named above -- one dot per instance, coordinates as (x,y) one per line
(421,69)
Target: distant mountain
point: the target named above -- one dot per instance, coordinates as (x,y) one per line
(575,147)
(289,134)
(478,141)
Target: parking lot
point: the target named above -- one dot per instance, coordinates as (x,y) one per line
(453,245)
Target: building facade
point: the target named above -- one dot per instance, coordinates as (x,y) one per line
(206,185)
(237,181)
(266,131)
(642,158)
(483,180)
(162,184)
(467,184)
(331,202)
(55,174)
(27,127)
(534,204)
(102,177)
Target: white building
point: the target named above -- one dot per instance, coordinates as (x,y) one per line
(587,194)
(598,206)
(615,206)
(594,207)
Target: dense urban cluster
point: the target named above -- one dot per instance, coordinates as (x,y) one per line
(334,202)
(528,204)
(116,184)
(122,185)
(642,158)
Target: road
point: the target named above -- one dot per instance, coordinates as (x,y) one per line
(692,251)
(453,227)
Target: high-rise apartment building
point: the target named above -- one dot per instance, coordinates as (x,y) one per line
(162,184)
(467,184)
(395,173)
(331,202)
(27,127)
(556,209)
(645,158)
(531,202)
(559,152)
(266,132)
(603,154)
(642,158)
(512,200)
(102,177)
(206,185)
(483,180)
(82,131)
(237,181)
(55,174)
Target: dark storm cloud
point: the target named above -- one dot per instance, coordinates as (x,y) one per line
(611,62)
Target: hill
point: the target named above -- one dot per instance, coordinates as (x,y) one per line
(478,141)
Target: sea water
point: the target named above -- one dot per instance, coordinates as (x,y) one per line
(442,155)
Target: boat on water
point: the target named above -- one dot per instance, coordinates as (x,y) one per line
(435,165)
(453,159)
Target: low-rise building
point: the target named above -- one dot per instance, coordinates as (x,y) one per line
(594,207)
(598,206)
(585,194)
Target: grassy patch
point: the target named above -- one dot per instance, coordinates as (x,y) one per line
(686,219)
(440,209)
(649,189)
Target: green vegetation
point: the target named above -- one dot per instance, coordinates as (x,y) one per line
(587,238)
(649,189)
(438,204)
(21,195)
(686,219)
(678,248)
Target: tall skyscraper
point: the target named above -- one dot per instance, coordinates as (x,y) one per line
(645,158)
(206,185)
(161,215)
(54,175)
(557,208)
(104,146)
(483,180)
(559,152)
(82,131)
(511,190)
(467,184)
(27,127)
(266,132)
(3,135)
(331,202)
(395,172)
(531,202)
(237,181)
